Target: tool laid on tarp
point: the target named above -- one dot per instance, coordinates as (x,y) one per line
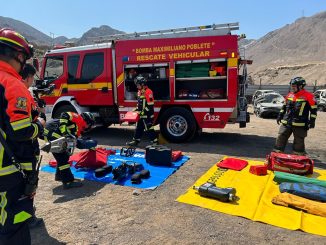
(309,191)
(281,177)
(212,191)
(125,169)
(293,201)
(101,172)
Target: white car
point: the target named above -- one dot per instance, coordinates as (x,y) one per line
(320,96)
(269,105)
(260,92)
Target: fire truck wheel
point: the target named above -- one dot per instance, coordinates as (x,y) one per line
(64,108)
(178,125)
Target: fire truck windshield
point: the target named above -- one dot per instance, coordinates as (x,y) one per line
(53,67)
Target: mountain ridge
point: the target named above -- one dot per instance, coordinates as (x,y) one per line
(296,49)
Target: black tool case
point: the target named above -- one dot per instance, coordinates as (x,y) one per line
(158,155)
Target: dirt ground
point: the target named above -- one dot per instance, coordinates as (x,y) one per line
(110,214)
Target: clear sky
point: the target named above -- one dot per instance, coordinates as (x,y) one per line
(71,18)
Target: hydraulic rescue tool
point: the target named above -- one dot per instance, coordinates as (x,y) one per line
(63,144)
(212,191)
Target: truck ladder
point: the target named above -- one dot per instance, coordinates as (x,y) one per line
(220,29)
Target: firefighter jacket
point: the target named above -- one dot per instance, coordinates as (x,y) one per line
(16,124)
(145,105)
(299,109)
(70,123)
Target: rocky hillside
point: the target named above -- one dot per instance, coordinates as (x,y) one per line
(41,39)
(29,32)
(297,49)
(97,32)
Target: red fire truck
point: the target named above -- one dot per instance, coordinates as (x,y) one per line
(197,76)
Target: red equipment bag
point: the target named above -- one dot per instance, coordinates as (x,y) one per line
(131,116)
(288,163)
(176,155)
(93,158)
(232,163)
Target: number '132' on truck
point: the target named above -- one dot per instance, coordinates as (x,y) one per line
(197,75)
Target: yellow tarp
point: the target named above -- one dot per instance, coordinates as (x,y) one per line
(255,194)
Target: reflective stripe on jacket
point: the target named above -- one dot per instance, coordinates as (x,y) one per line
(16,120)
(145,105)
(299,109)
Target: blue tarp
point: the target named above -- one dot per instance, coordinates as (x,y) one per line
(158,173)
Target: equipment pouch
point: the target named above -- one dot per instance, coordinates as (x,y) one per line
(288,163)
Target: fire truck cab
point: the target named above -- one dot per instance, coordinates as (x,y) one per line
(196,74)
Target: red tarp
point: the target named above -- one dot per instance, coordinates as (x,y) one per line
(88,159)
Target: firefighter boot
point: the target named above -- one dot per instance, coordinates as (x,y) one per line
(73,184)
(34,222)
(134,142)
(57,177)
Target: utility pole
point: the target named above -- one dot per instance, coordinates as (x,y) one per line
(52,37)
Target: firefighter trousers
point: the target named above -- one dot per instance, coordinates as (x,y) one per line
(14,213)
(63,172)
(145,124)
(299,134)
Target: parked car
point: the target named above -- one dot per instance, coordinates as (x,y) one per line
(320,96)
(260,92)
(268,105)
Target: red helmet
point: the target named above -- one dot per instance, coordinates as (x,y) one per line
(16,41)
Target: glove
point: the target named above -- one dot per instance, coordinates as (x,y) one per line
(311,124)
(278,120)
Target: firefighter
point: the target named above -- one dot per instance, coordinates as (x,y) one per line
(145,108)
(297,115)
(28,74)
(18,130)
(73,125)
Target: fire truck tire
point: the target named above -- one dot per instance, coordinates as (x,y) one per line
(178,125)
(63,108)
